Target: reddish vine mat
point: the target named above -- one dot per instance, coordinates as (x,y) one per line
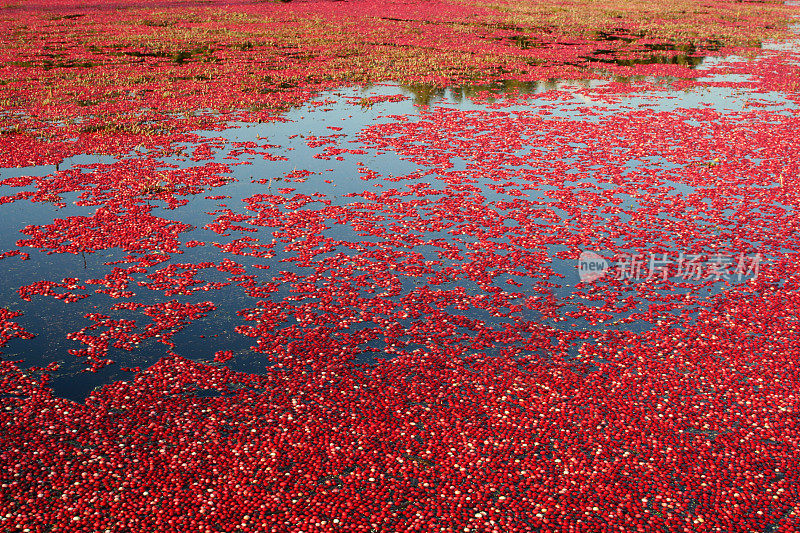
(360,315)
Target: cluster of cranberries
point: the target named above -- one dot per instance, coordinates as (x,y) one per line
(430,359)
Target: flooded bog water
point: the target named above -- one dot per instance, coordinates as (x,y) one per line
(382,222)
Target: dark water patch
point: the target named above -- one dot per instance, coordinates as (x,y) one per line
(355,183)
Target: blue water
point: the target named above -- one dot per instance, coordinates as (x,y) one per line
(340,182)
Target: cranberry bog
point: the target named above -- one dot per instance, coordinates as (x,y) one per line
(373,266)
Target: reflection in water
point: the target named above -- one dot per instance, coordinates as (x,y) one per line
(609,56)
(424,94)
